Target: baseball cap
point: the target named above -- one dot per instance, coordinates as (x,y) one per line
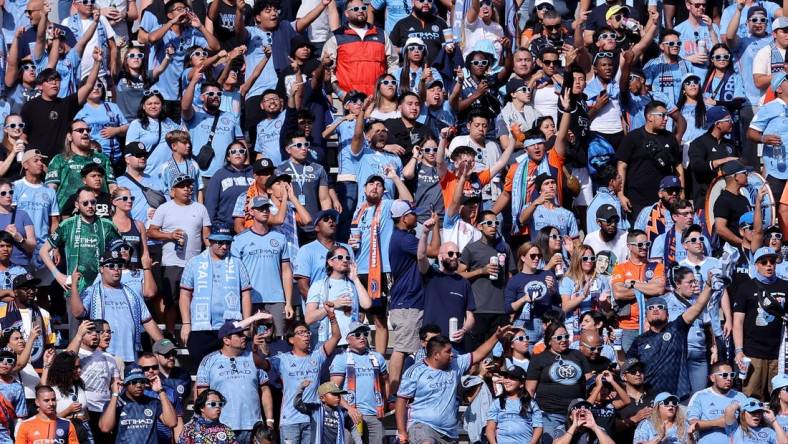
(514,372)
(630,364)
(329,387)
(375,178)
(668,182)
(111,257)
(434,82)
(605,212)
(163,346)
(229,328)
(332,213)
(732,167)
(663,397)
(133,373)
(779,381)
(513,85)
(752,405)
(540,2)
(777,79)
(773,229)
(578,403)
(31,153)
(181,179)
(541,179)
(656,301)
(717,113)
(25,280)
(263,166)
(613,10)
(763,252)
(119,244)
(746,219)
(278,178)
(778,23)
(136,149)
(756,9)
(688,76)
(260,202)
(401,208)
(469,381)
(356,326)
(221,232)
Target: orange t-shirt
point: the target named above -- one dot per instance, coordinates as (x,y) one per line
(625,271)
(42,431)
(473,186)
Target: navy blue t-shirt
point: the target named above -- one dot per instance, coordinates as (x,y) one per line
(662,353)
(163,432)
(407,291)
(543,296)
(446,296)
(137,420)
(180,381)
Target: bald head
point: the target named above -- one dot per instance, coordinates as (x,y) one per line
(591,338)
(449,257)
(448,246)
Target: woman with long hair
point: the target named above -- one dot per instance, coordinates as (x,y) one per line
(385,99)
(533,26)
(667,422)
(756,423)
(63,372)
(150,127)
(581,288)
(340,286)
(559,376)
(529,293)
(20,82)
(229,182)
(106,121)
(131,231)
(693,108)
(779,399)
(724,86)
(412,76)
(13,144)
(515,417)
(548,240)
(516,349)
(13,339)
(132,80)
(205,425)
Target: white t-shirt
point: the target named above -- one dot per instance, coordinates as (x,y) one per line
(121,28)
(618,246)
(98,371)
(546,101)
(478,31)
(319,31)
(87,55)
(189,218)
(762,64)
(76,394)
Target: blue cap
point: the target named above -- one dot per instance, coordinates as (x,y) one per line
(325,213)
(656,301)
(779,381)
(777,79)
(229,328)
(763,252)
(260,202)
(753,405)
(717,113)
(746,219)
(664,396)
(133,372)
(669,182)
(221,232)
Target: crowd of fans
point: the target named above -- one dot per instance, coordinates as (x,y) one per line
(423,221)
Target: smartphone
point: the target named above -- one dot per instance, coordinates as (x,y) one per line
(261,329)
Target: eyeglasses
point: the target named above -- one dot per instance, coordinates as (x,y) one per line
(113,266)
(692,82)
(535,256)
(768,261)
(8,361)
(429,150)
(147,368)
(6,193)
(200,53)
(662,115)
(489,223)
(606,36)
(20,125)
(752,19)
(592,348)
(303,333)
(777,236)
(560,338)
(300,145)
(212,94)
(588,258)
(125,198)
(695,239)
(89,203)
(451,254)
(551,62)
(215,404)
(415,48)
(641,245)
(360,334)
(341,257)
(481,63)
(358,8)
(725,375)
(388,82)
(81,130)
(721,57)
(672,44)
(151,92)
(522,338)
(544,7)
(238,151)
(655,307)
(135,55)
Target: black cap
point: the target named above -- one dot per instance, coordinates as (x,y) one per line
(25,280)
(263,166)
(732,167)
(513,85)
(136,149)
(541,179)
(111,257)
(375,178)
(514,372)
(605,212)
(181,179)
(631,363)
(278,178)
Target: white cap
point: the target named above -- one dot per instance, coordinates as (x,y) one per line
(539,2)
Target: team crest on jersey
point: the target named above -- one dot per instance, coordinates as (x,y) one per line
(59,432)
(666,336)
(274,243)
(649,274)
(180,389)
(148,412)
(565,372)
(221,436)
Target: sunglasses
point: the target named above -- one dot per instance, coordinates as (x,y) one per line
(606,35)
(89,203)
(560,338)
(340,257)
(486,2)
(6,193)
(695,239)
(633,77)
(554,237)
(641,245)
(550,62)
(618,17)
(138,382)
(489,223)
(522,338)
(429,150)
(634,371)
(135,55)
(415,48)
(300,145)
(8,361)
(721,57)
(544,7)
(656,307)
(588,258)
(20,125)
(451,254)
(768,261)
(125,198)
(525,89)
(535,256)
(425,1)
(672,44)
(215,404)
(698,5)
(86,2)
(670,403)
(360,334)
(692,82)
(591,348)
(358,8)
(777,236)
(552,27)
(328,218)
(754,404)
(151,92)
(661,115)
(147,368)
(212,94)
(303,333)
(238,151)
(200,53)
(745,227)
(81,130)
(758,20)
(725,375)
(170,355)
(113,266)
(388,82)
(481,63)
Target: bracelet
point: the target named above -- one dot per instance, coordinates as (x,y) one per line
(186,323)
(738,350)
(269,421)
(115,395)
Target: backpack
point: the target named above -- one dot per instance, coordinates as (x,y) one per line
(600,153)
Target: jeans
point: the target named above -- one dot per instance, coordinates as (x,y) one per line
(373,430)
(697,369)
(347,194)
(295,433)
(550,421)
(627,338)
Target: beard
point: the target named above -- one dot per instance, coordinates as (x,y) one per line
(607,237)
(421,14)
(658,323)
(450,265)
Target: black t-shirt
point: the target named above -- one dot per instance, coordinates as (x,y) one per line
(628,411)
(702,151)
(649,157)
(224,27)
(47,122)
(731,207)
(103,205)
(15,169)
(599,365)
(762,331)
(560,379)
(405,137)
(431,33)
(579,125)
